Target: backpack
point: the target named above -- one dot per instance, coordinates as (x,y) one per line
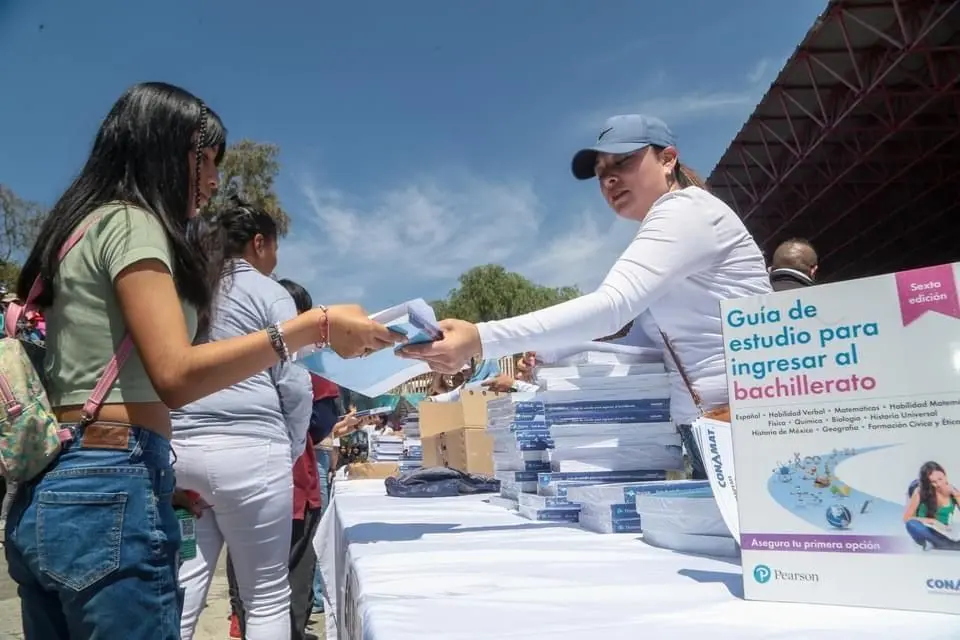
(30,436)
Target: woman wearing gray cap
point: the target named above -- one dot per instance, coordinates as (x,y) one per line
(690,252)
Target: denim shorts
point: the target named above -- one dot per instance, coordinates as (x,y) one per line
(93,542)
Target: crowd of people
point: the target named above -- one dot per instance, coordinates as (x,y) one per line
(169,368)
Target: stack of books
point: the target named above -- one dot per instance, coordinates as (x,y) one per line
(600,417)
(412,456)
(685,521)
(385,448)
(517,456)
(612,508)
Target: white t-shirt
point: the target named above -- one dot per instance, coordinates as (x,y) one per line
(691,252)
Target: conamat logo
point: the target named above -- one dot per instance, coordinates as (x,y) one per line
(764,574)
(942,585)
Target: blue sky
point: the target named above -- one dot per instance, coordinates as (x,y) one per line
(418,138)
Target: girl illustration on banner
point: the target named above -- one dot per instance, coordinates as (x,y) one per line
(931,512)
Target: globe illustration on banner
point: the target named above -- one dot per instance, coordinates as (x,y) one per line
(838,516)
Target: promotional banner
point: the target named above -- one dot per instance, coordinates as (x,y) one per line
(845,406)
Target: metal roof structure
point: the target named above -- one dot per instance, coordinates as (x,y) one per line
(856,145)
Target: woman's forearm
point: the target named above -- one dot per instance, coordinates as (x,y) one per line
(207,368)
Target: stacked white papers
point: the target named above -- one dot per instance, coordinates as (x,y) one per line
(687,522)
(385,448)
(379,372)
(611,508)
(600,416)
(516,461)
(599,353)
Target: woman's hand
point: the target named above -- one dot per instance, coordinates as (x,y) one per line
(502,383)
(191,501)
(352,333)
(460,342)
(346,424)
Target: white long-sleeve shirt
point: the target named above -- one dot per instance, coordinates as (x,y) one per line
(691,252)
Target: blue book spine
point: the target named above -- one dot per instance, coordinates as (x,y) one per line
(602,476)
(657,404)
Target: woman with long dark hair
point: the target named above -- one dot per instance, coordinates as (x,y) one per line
(93,541)
(930,510)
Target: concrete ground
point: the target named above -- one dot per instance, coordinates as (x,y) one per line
(214,624)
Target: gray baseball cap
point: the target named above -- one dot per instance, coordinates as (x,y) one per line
(622,134)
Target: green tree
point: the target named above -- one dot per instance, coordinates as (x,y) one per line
(20,222)
(491,292)
(249,170)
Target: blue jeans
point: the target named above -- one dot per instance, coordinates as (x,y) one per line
(924,535)
(93,543)
(323,467)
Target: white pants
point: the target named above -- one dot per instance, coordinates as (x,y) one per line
(249,482)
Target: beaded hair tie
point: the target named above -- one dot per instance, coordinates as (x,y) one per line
(201,140)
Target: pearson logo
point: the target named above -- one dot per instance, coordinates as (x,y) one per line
(762,573)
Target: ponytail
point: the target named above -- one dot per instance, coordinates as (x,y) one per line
(220,238)
(683,175)
(687,177)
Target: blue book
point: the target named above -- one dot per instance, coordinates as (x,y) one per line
(377,373)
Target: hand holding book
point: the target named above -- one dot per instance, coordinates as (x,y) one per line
(458,342)
(352,333)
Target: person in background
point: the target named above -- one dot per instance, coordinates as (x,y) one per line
(328,451)
(691,251)
(313,467)
(235,448)
(794,265)
(103,563)
(439,385)
(307,497)
(521,381)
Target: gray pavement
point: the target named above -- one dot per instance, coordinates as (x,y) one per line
(214,623)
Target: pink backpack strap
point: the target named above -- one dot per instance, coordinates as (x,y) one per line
(92,406)
(10,318)
(109,376)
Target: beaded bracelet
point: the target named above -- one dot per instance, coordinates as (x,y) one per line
(275,333)
(324,340)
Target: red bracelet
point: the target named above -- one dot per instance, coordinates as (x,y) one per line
(324,328)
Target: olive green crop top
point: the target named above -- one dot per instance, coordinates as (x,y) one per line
(85,325)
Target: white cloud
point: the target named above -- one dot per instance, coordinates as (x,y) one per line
(582,253)
(361,247)
(759,71)
(690,104)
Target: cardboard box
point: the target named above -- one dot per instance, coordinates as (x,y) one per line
(437,417)
(432,450)
(434,447)
(371,470)
(467,449)
(475,406)
(467,420)
(844,397)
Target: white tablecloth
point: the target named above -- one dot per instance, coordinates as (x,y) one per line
(458,568)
